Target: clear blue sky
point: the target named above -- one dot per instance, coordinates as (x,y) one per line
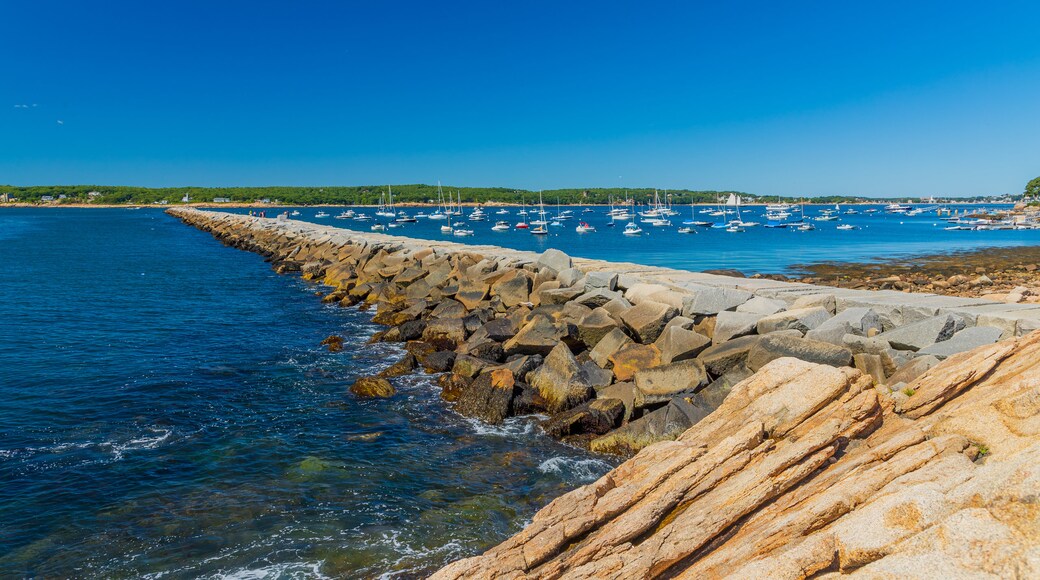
(811,98)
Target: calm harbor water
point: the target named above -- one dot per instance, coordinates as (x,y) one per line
(166,412)
(756,250)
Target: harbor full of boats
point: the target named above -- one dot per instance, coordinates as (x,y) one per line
(730,215)
(764,238)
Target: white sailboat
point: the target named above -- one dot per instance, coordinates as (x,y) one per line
(540,223)
(439,213)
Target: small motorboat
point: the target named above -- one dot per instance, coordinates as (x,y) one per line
(321,214)
(521,226)
(632,229)
(846,227)
(377,227)
(460,233)
(295,212)
(583,227)
(735,229)
(687,231)
(362,217)
(500,227)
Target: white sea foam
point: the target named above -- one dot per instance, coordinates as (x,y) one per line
(418,557)
(294,570)
(511,427)
(156,438)
(570,468)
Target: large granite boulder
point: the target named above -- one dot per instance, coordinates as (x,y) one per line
(624,392)
(554,260)
(489,396)
(664,424)
(372,387)
(402,367)
(925,333)
(596,297)
(719,358)
(594,326)
(629,360)
(857,321)
(712,300)
(522,364)
(676,344)
(445,330)
(440,361)
(662,383)
(513,288)
(647,319)
(540,336)
(802,320)
(963,341)
(773,347)
(608,346)
(471,292)
(595,417)
(762,305)
(607,280)
(561,381)
(729,325)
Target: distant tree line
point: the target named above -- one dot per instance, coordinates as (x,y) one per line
(370,194)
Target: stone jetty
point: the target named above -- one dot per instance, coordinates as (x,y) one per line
(778,429)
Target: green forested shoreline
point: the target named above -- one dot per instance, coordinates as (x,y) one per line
(369,194)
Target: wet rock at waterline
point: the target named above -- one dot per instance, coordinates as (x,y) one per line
(372,387)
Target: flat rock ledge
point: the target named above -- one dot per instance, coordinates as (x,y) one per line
(778,429)
(807,470)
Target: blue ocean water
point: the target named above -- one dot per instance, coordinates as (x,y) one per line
(756,250)
(166,411)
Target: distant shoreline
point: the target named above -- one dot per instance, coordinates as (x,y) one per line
(258,205)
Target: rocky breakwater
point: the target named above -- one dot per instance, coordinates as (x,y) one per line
(618,356)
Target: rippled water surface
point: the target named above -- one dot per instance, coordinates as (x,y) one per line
(756,250)
(166,412)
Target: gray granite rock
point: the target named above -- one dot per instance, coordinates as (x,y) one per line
(963,341)
(677,343)
(802,320)
(609,345)
(647,319)
(661,383)
(730,325)
(772,347)
(856,321)
(722,357)
(924,333)
(597,297)
(554,260)
(607,280)
(711,300)
(762,305)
